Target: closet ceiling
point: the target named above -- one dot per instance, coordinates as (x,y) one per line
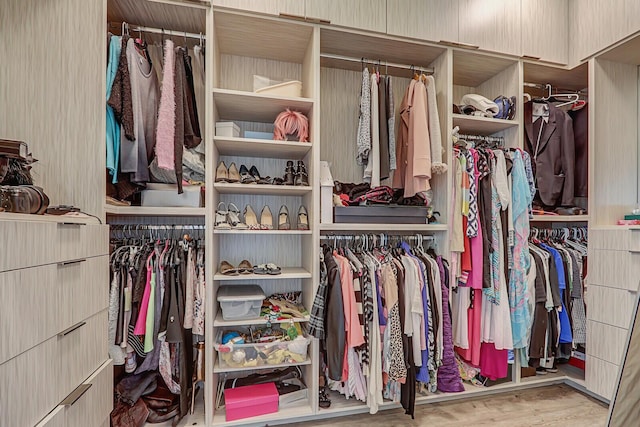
(474,69)
(358,45)
(574,79)
(170,15)
(626,53)
(246,35)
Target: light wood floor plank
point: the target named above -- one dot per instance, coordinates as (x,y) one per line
(553,406)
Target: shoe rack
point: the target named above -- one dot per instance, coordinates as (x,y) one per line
(290,51)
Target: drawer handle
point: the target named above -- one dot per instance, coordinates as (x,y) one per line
(75,395)
(632,291)
(71,224)
(71,329)
(459,44)
(74,261)
(535,58)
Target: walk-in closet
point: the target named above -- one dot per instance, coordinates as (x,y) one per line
(252,213)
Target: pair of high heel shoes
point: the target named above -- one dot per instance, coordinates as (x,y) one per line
(294,176)
(284,223)
(243,176)
(266,219)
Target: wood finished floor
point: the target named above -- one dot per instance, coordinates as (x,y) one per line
(552,406)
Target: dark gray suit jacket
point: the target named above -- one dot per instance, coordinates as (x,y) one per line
(554,167)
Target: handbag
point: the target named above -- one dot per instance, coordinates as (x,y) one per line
(506,107)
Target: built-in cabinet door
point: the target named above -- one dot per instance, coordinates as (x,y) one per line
(545,30)
(431,20)
(363,14)
(596,25)
(492,25)
(271,7)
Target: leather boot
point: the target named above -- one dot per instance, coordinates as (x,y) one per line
(302,178)
(289,174)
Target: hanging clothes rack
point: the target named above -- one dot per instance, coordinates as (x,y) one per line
(143,29)
(379,63)
(548,87)
(154,231)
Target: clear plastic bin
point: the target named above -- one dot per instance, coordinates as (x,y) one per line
(254,355)
(240,302)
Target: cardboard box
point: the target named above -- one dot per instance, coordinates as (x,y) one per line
(229,129)
(250,401)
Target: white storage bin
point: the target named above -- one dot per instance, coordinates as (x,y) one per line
(291,89)
(229,129)
(240,302)
(166,196)
(326,193)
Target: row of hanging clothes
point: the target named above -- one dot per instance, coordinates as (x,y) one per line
(153,131)
(493,188)
(556,137)
(382,316)
(156,318)
(406,148)
(558,267)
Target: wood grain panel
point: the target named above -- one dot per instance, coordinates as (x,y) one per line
(178,16)
(236,72)
(473,68)
(493,25)
(616,269)
(612,239)
(612,21)
(600,377)
(614,111)
(275,39)
(545,30)
(390,49)
(54,101)
(61,242)
(606,342)
(609,305)
(423,19)
(92,407)
(363,14)
(271,7)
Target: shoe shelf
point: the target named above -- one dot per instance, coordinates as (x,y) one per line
(383,227)
(248,147)
(220,322)
(218,369)
(294,411)
(481,125)
(286,273)
(255,107)
(262,189)
(560,218)
(153,211)
(261,232)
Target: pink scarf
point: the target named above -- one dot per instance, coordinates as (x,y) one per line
(166,112)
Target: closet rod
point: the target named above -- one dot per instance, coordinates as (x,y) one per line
(144,227)
(426,70)
(175,33)
(544,86)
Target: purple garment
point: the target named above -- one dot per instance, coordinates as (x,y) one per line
(381,318)
(449,380)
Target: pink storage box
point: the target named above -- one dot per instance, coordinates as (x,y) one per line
(250,401)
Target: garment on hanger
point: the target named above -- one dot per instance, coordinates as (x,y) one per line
(394,328)
(550,143)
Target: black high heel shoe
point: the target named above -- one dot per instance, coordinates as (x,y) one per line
(245,176)
(289,174)
(256,175)
(302,177)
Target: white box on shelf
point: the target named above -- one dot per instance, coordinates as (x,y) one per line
(240,302)
(291,89)
(166,196)
(326,193)
(229,129)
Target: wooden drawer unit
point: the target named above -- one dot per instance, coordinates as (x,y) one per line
(36,381)
(600,377)
(32,299)
(615,268)
(610,306)
(88,405)
(34,243)
(606,342)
